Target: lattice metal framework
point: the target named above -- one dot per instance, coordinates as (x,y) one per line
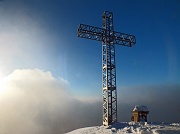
(109,38)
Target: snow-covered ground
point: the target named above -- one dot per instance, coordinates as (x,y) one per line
(132,128)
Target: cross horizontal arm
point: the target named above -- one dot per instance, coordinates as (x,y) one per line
(95,33)
(124,39)
(90,32)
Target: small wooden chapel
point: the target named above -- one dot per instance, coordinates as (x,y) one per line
(140,113)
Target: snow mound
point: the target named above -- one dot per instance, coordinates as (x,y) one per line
(131,128)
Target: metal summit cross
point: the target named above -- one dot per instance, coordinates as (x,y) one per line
(109,38)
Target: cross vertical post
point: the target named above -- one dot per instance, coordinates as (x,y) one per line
(108,71)
(109,38)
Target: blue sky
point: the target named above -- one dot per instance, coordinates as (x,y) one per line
(50,42)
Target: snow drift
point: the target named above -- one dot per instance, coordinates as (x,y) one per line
(132,128)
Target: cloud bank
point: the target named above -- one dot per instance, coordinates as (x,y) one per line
(34,102)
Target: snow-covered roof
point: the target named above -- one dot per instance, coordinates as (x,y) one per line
(140,108)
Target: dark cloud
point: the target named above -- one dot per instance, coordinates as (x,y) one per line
(33,101)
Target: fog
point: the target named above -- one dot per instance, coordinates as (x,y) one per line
(161,100)
(34,102)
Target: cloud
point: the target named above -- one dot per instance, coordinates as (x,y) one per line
(33,101)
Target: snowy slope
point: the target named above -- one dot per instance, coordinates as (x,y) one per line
(131,128)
